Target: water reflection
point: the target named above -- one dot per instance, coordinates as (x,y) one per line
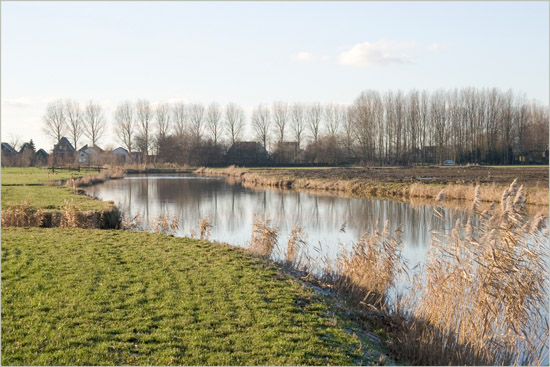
(327,220)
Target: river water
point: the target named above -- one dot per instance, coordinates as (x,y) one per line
(330,223)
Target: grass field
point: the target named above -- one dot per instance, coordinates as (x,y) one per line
(31,184)
(38,176)
(92,297)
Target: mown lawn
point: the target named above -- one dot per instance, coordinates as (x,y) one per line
(30,184)
(96,297)
(38,176)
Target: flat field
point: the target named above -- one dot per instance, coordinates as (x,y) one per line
(33,185)
(97,297)
(529,176)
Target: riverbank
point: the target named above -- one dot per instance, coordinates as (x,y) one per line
(75,296)
(39,197)
(458,183)
(80,296)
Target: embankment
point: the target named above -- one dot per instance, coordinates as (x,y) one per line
(395,183)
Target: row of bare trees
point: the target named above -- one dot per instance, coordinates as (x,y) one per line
(69,118)
(467,125)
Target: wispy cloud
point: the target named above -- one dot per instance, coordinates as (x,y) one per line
(17,102)
(382,52)
(435,47)
(303,57)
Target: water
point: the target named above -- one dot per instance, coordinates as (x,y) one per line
(330,223)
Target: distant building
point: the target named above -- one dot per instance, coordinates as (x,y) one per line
(41,158)
(9,155)
(449,162)
(89,155)
(63,152)
(247,153)
(121,155)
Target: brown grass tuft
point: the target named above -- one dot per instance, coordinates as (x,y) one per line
(264,237)
(22,215)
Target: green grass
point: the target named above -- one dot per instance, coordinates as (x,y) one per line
(49,197)
(93,297)
(37,176)
(20,184)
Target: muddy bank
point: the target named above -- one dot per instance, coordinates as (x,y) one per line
(399,183)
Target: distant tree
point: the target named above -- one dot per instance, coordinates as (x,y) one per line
(234,122)
(280,117)
(94,122)
(213,121)
(144,115)
(55,121)
(163,119)
(124,116)
(196,118)
(314,114)
(297,122)
(74,121)
(261,123)
(180,118)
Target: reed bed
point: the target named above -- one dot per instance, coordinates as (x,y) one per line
(484,291)
(366,188)
(367,274)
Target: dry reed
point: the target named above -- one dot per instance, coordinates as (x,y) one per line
(484,287)
(264,237)
(22,215)
(366,275)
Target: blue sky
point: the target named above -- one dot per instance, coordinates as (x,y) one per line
(254,52)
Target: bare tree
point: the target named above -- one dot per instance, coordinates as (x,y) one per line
(280,117)
(55,121)
(14,140)
(196,118)
(180,117)
(298,123)
(333,118)
(125,124)
(144,114)
(163,119)
(234,122)
(94,122)
(213,121)
(261,123)
(314,114)
(74,121)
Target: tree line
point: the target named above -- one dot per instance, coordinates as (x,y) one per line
(469,125)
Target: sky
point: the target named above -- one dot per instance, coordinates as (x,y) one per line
(258,52)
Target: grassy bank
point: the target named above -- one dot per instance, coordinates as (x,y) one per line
(36,196)
(90,297)
(399,183)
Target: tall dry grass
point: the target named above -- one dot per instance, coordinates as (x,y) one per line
(264,237)
(22,215)
(368,273)
(484,293)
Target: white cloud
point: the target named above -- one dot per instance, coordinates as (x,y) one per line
(17,102)
(382,52)
(303,57)
(435,47)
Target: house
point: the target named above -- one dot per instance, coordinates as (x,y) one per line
(89,155)
(121,155)
(41,158)
(63,152)
(247,153)
(9,155)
